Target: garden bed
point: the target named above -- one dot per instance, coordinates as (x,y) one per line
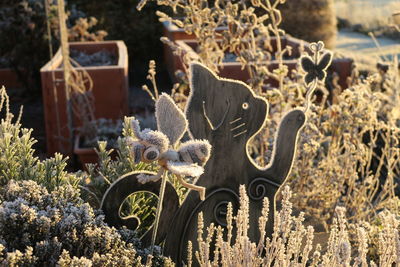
(110,91)
(174,33)
(100,58)
(233,69)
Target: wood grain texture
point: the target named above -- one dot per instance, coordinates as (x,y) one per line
(228,114)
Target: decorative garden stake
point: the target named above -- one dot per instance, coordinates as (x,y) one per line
(150,146)
(227,114)
(315,68)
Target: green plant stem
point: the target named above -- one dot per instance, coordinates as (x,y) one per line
(159,209)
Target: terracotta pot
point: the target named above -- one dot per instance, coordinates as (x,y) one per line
(174,34)
(9,78)
(233,70)
(343,67)
(88,154)
(85,155)
(110,92)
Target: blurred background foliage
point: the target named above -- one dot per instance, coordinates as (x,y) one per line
(24,30)
(140,31)
(24,35)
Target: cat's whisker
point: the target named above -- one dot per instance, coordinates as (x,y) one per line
(239,126)
(239,134)
(235,120)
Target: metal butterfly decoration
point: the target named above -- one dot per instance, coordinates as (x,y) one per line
(316,67)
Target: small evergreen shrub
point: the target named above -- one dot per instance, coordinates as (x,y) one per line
(311,20)
(44,228)
(17,159)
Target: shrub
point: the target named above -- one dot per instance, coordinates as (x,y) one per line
(17,160)
(352,144)
(349,153)
(311,20)
(231,27)
(38,228)
(291,243)
(43,220)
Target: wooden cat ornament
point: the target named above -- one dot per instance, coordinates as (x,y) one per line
(227,114)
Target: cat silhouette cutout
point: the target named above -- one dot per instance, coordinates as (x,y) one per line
(228,114)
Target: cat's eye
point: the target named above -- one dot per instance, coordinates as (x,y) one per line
(245,105)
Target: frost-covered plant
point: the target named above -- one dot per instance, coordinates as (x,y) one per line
(349,153)
(316,17)
(105,130)
(17,160)
(81,31)
(100,58)
(232,27)
(42,228)
(292,243)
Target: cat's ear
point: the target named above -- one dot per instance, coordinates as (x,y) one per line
(200,75)
(170,119)
(204,89)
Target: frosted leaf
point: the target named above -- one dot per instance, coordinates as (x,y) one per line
(185,169)
(136,128)
(170,119)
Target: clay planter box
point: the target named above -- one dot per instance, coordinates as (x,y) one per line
(233,69)
(174,34)
(110,92)
(85,155)
(88,154)
(9,78)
